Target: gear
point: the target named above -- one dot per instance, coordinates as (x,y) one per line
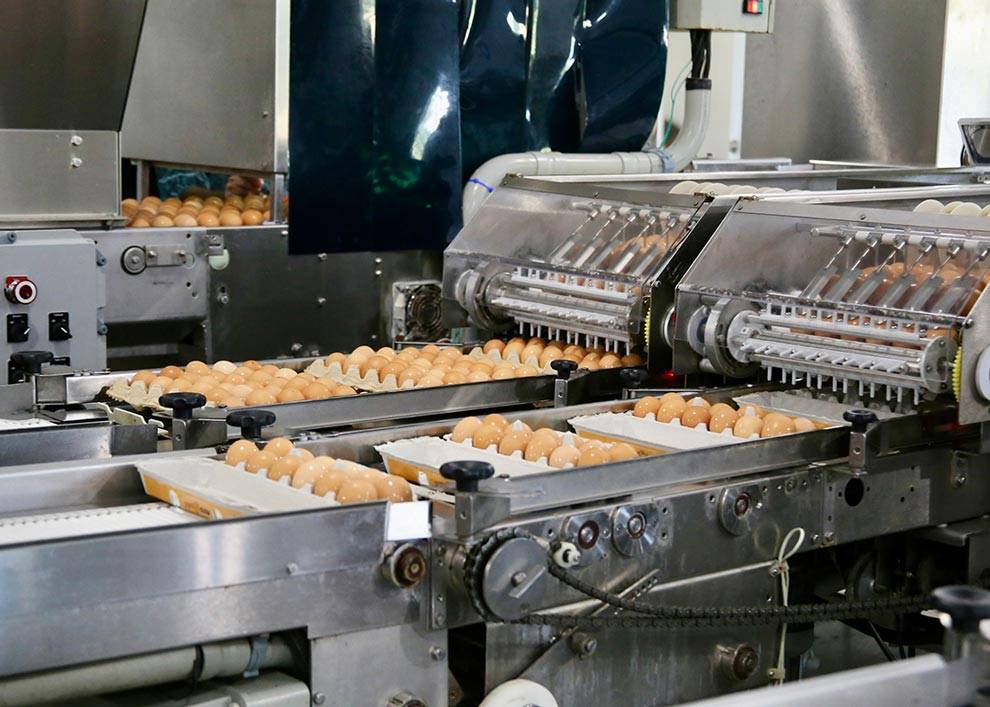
(474,567)
(957,374)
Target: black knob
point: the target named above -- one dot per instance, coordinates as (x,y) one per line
(251,421)
(467,474)
(31,361)
(966,605)
(182,404)
(633,377)
(564,367)
(859,419)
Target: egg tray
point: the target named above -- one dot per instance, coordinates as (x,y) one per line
(138,395)
(211,489)
(371,383)
(665,436)
(418,459)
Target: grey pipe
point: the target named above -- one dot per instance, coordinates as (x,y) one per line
(219,660)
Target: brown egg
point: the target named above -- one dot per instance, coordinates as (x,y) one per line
(465,429)
(463,366)
(185,220)
(454,378)
(285,466)
(514,440)
(411,375)
(251,217)
(229,218)
(776,424)
(162,221)
(646,405)
(747,426)
(392,488)
(502,372)
(575,350)
(531,351)
(197,367)
(721,406)
(129,207)
(325,462)
(803,424)
(695,415)
(330,481)
(145,377)
(513,348)
(632,360)
(563,455)
(139,222)
(259,461)
(722,418)
(671,409)
(252,364)
(356,491)
(337,358)
(373,363)
(750,410)
(181,385)
(316,391)
(621,451)
(486,436)
(593,454)
(525,371)
(305,473)
(239,451)
(203,385)
(286,373)
(410,353)
(478,376)
(589,362)
(213,201)
(496,419)
(260,397)
(342,390)
(610,361)
(452,354)
(550,353)
(279,446)
(208,219)
(540,447)
(241,390)
(290,395)
(490,345)
(300,452)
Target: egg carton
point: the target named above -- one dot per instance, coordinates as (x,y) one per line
(371,382)
(648,432)
(140,396)
(212,489)
(795,404)
(419,459)
(344,465)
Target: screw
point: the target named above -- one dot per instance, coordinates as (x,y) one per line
(320,301)
(745,662)
(75,163)
(437,653)
(11,237)
(321,257)
(583,644)
(265,114)
(378,273)
(815,538)
(518,578)
(223,298)
(292,568)
(636,525)
(76,140)
(959,480)
(741,505)
(829,536)
(296,347)
(319,698)
(587,535)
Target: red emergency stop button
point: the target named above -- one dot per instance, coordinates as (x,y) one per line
(752,7)
(19,289)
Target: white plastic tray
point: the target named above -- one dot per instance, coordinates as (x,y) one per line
(669,436)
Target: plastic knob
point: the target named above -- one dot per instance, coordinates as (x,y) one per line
(182,404)
(467,474)
(966,605)
(251,422)
(564,368)
(633,377)
(859,419)
(31,361)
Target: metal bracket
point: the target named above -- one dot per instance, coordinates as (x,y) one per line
(259,649)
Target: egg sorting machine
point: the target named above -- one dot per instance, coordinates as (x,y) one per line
(702,529)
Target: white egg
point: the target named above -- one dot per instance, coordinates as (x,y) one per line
(929,206)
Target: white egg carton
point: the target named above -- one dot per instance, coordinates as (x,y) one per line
(647,431)
(212,489)
(370,381)
(348,467)
(428,454)
(797,405)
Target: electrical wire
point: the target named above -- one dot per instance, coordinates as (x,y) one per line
(883,646)
(677,86)
(784,553)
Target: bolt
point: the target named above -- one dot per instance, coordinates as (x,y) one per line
(292,568)
(321,257)
(320,301)
(378,261)
(11,237)
(75,163)
(583,644)
(636,525)
(745,662)
(265,114)
(959,480)
(815,538)
(829,536)
(223,298)
(741,505)
(378,273)
(296,347)
(76,140)
(319,698)
(437,653)
(518,578)
(586,535)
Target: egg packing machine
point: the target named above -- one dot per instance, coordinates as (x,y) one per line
(596,262)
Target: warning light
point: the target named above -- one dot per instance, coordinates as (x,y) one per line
(752,7)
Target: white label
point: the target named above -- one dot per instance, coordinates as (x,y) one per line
(407,521)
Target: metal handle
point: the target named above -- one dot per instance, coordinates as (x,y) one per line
(31,361)
(859,419)
(182,404)
(633,377)
(467,474)
(564,368)
(251,422)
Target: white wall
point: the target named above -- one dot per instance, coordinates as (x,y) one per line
(965,74)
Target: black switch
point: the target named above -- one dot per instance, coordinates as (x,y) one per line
(17,328)
(58,326)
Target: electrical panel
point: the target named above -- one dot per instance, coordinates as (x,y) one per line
(723,15)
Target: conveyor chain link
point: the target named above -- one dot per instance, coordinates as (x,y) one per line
(651,616)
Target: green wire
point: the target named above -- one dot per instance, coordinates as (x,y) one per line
(678,85)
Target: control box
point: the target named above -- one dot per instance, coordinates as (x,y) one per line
(723,15)
(54,291)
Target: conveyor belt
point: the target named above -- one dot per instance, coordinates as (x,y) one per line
(49,526)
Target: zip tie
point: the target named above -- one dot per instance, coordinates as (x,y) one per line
(475,180)
(783,570)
